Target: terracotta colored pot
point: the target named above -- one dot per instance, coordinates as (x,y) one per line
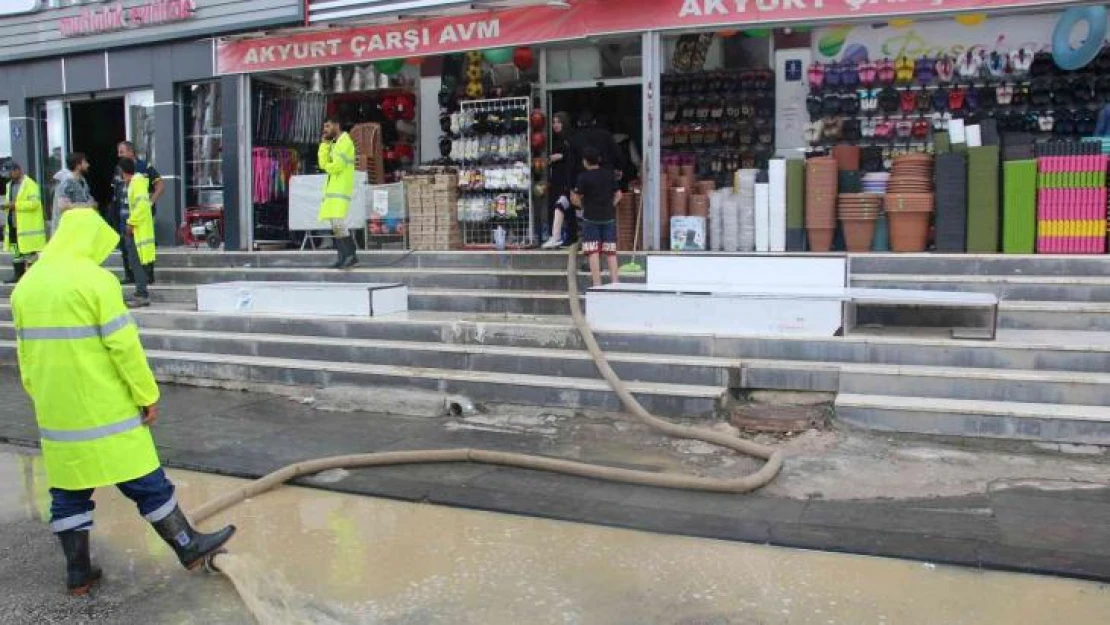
(687,170)
(704,187)
(680,202)
(820,239)
(858,234)
(673,171)
(699,206)
(908,230)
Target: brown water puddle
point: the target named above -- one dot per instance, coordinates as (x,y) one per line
(348,559)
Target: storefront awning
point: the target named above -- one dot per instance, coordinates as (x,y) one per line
(560,21)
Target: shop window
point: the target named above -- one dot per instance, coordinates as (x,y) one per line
(140,123)
(203,173)
(612,58)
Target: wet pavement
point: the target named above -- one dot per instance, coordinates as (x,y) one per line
(979,505)
(313,556)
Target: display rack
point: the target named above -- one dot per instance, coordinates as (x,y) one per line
(495,185)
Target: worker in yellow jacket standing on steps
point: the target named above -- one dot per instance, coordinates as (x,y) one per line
(336,158)
(138,241)
(94,395)
(25,223)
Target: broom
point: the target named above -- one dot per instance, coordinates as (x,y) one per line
(632,267)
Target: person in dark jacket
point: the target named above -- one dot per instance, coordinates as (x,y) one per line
(559,167)
(592,135)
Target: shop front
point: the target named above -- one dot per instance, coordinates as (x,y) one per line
(740,126)
(83,76)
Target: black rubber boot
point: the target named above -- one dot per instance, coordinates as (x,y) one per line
(341,251)
(352,253)
(191,546)
(80,573)
(149,273)
(18,269)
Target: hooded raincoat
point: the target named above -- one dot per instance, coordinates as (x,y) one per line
(81,361)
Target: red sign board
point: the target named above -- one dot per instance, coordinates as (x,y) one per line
(541,24)
(115,16)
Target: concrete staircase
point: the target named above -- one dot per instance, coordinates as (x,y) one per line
(494,327)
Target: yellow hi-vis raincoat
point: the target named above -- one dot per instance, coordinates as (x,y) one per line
(337,160)
(30,224)
(81,361)
(142,217)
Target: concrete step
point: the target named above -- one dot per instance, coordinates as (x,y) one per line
(1028,288)
(438,277)
(1003,385)
(237,370)
(479,301)
(1032,315)
(512,360)
(974,418)
(1014,349)
(981,264)
(522,260)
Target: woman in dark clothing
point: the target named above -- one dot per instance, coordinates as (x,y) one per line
(560,169)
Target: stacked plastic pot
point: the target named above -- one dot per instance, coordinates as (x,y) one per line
(821,197)
(858,214)
(910,202)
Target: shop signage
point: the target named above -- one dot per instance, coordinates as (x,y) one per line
(115,16)
(542,23)
(933,38)
(423,37)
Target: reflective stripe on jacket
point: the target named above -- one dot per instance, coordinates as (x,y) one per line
(81,361)
(141,218)
(30,224)
(337,160)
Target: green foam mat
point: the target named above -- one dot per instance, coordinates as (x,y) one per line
(795,193)
(982,199)
(1019,206)
(942,142)
(849,182)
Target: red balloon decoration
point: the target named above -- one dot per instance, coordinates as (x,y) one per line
(539,141)
(537,119)
(523,58)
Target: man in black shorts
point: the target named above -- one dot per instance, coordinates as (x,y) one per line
(596,195)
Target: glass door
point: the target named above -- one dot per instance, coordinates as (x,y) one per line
(140,123)
(53,143)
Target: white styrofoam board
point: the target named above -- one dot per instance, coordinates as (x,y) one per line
(779,271)
(307,191)
(672,313)
(326,299)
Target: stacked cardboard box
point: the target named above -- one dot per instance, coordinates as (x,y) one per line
(433,212)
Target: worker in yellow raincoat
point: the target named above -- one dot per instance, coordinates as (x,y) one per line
(94,396)
(138,240)
(336,157)
(25,226)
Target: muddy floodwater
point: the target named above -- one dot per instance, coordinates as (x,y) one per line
(312,556)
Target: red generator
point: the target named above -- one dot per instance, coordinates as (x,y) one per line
(203,224)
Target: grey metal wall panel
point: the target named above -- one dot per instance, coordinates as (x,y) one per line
(34,78)
(189,60)
(84,73)
(38,34)
(131,68)
(229,98)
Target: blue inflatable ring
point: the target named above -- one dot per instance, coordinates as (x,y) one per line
(1067,57)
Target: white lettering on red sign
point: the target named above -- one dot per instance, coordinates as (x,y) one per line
(393,43)
(118,17)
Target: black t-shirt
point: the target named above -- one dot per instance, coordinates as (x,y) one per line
(597,188)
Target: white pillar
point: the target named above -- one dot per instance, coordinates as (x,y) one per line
(652,54)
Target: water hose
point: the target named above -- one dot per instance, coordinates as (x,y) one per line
(743,484)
